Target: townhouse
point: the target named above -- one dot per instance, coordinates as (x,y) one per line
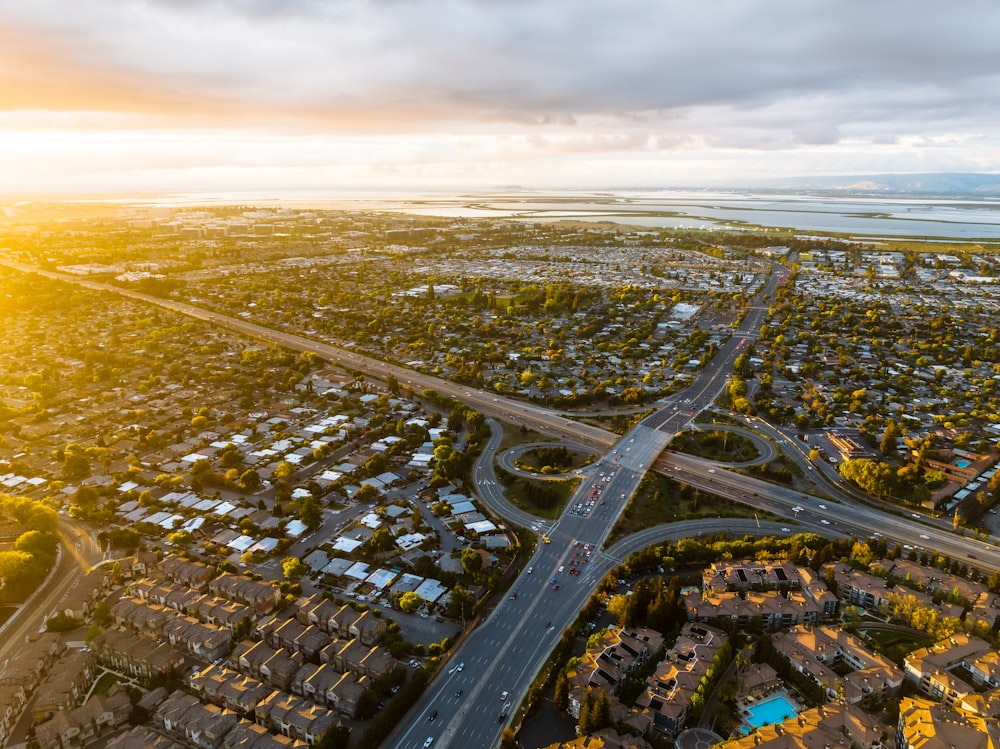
(257,595)
(202,640)
(182,572)
(142,737)
(65,686)
(136,656)
(294,717)
(71,728)
(227,688)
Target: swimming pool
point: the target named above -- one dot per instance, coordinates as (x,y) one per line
(770,711)
(963,463)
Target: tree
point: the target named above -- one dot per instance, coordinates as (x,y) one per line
(410,602)
(472,561)
(461,603)
(293,568)
(623,609)
(889,438)
(381,540)
(561,696)
(310,513)
(250,480)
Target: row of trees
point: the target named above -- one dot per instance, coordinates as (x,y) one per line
(25,565)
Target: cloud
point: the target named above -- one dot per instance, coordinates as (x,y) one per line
(580,76)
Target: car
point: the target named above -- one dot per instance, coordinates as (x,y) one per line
(822,507)
(458,693)
(433,716)
(915,515)
(530,570)
(786,530)
(824,521)
(548,624)
(430,740)
(562,567)
(513,596)
(711,470)
(461,665)
(925,537)
(504,696)
(554,580)
(555,587)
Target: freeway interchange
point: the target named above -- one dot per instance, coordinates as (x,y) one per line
(501,657)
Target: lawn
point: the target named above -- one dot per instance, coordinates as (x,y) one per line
(660,500)
(716,444)
(553,495)
(893,643)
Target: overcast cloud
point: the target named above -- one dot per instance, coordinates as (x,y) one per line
(467,91)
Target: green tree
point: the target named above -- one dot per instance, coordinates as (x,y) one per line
(623,609)
(310,512)
(293,568)
(410,602)
(472,561)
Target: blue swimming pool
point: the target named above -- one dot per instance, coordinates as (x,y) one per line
(770,711)
(963,463)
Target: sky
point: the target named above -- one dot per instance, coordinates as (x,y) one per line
(180,96)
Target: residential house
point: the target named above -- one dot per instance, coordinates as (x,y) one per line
(138,566)
(182,572)
(136,656)
(247,735)
(78,726)
(80,601)
(206,725)
(258,595)
(294,717)
(203,640)
(280,668)
(66,685)
(142,737)
(345,694)
(144,619)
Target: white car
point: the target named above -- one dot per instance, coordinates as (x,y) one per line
(562,567)
(925,537)
(503,697)
(786,530)
(430,740)
(824,521)
(822,507)
(530,570)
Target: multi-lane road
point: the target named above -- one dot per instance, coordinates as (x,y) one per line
(79,552)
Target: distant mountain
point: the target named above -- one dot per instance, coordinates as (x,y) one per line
(943,184)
